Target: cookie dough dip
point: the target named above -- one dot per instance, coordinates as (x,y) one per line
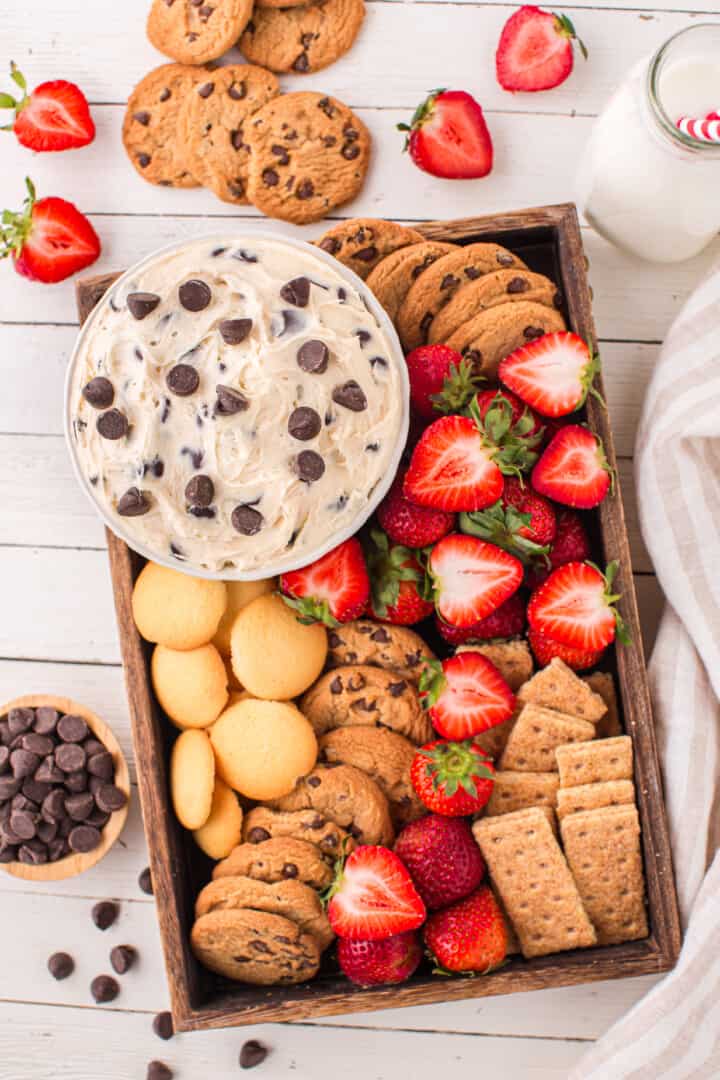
(237,405)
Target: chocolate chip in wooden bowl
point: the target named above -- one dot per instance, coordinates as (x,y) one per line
(304,423)
(70,757)
(104,914)
(313,357)
(83,839)
(79,805)
(145,882)
(158,1070)
(122,958)
(23,763)
(61,965)
(20,720)
(200,490)
(33,853)
(229,401)
(252,1053)
(113,425)
(110,798)
(296,292)
(247,520)
(24,824)
(309,466)
(99,392)
(235,331)
(77,781)
(104,989)
(46,720)
(163,1026)
(194,295)
(142,304)
(100,764)
(182,380)
(351,396)
(72,728)
(134,503)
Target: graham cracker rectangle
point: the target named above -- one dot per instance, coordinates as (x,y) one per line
(530,872)
(513,659)
(558,687)
(537,734)
(602,683)
(575,800)
(595,763)
(519,790)
(602,848)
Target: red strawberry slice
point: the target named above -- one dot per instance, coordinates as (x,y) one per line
(573,469)
(55,116)
(441,381)
(471,578)
(465,695)
(49,239)
(411,525)
(334,589)
(451,469)
(546,650)
(374,897)
(535,51)
(553,373)
(505,622)
(448,137)
(576,607)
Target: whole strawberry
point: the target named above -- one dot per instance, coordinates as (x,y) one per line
(505,622)
(510,426)
(521,522)
(372,963)
(453,778)
(571,544)
(441,381)
(399,589)
(545,650)
(443,859)
(55,116)
(48,240)
(470,936)
(535,51)
(448,137)
(411,525)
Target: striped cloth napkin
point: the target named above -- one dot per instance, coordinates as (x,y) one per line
(674,1032)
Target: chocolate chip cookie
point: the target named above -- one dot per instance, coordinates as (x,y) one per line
(347,796)
(213,123)
(262,824)
(302,39)
(395,648)
(491,290)
(309,153)
(386,757)
(255,947)
(362,243)
(490,336)
(291,899)
(439,283)
(361,695)
(195,31)
(392,277)
(277,860)
(151,126)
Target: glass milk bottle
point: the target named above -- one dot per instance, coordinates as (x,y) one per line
(643,183)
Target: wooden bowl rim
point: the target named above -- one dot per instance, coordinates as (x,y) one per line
(72,865)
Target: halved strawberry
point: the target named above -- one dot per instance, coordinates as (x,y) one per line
(505,622)
(573,469)
(576,607)
(55,116)
(49,239)
(411,525)
(521,522)
(373,897)
(451,469)
(545,650)
(553,373)
(400,593)
(465,695)
(448,136)
(535,51)
(471,578)
(441,380)
(334,589)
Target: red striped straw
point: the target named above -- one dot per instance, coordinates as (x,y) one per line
(707,130)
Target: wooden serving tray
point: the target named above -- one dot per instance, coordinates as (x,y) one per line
(549,240)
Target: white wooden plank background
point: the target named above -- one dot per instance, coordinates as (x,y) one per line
(58,633)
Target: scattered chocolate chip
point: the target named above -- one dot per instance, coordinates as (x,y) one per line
(84,838)
(113,424)
(163,1025)
(61,965)
(229,401)
(246,520)
(110,798)
(99,392)
(304,423)
(234,331)
(70,757)
(309,466)
(296,292)
(518,285)
(200,491)
(145,881)
(194,295)
(104,988)
(313,357)
(142,304)
(134,503)
(158,1070)
(182,380)
(257,835)
(252,1053)
(104,914)
(122,958)
(351,396)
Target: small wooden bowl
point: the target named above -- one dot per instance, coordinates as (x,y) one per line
(72,865)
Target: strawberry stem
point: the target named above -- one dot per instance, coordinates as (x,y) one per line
(310,610)
(566,29)
(432,683)
(452,765)
(7,101)
(16,226)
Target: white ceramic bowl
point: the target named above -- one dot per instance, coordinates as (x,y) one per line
(308,556)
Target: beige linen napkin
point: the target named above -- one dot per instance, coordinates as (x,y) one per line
(674,1032)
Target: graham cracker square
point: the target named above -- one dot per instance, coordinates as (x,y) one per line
(604,759)
(603,851)
(520,790)
(513,659)
(494,740)
(602,683)
(575,800)
(532,877)
(558,687)
(537,734)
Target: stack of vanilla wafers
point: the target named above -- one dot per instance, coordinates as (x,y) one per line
(561,832)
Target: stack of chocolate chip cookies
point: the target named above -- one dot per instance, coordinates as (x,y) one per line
(480,299)
(190,123)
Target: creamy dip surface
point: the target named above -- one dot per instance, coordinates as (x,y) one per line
(235,404)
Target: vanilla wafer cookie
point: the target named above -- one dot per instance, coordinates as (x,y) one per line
(603,684)
(558,687)
(520,790)
(602,848)
(529,870)
(537,735)
(596,762)
(575,800)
